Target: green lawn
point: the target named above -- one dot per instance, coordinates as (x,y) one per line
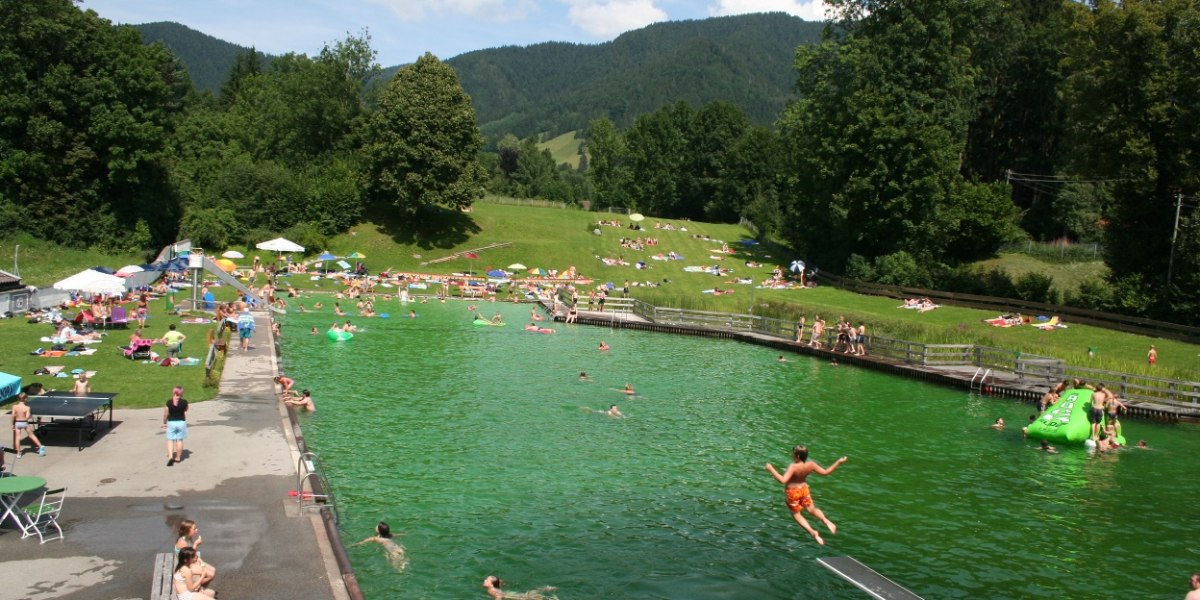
(559,238)
(138,384)
(1067,276)
(564,149)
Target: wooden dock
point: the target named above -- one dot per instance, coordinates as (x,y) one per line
(997,383)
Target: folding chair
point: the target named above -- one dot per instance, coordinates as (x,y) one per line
(119,318)
(10,463)
(41,518)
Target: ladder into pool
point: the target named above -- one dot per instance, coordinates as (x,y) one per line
(979,379)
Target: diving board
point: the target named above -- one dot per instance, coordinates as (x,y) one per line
(866,579)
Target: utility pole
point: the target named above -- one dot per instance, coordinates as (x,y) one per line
(1174,234)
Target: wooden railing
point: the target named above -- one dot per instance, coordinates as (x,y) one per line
(1038,369)
(1083,316)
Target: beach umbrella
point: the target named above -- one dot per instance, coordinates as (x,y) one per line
(538,272)
(326,256)
(128,270)
(636,217)
(233,254)
(226,265)
(517,267)
(496,273)
(280,245)
(798,266)
(92,282)
(357,255)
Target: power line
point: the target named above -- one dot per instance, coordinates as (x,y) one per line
(1055,179)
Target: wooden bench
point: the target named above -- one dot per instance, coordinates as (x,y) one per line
(161,587)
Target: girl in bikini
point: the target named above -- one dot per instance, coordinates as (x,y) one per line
(188,574)
(189,537)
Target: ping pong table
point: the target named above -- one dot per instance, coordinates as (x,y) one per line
(67,410)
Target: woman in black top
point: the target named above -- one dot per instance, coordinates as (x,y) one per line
(175,422)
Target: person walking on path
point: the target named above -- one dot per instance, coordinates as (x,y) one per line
(1152,355)
(796,486)
(175,422)
(20,424)
(245,325)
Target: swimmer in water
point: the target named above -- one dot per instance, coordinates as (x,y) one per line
(314,330)
(412,314)
(1046,447)
(999,424)
(471,308)
(781,358)
(318,306)
(493,587)
(583,376)
(498,319)
(395,552)
(628,390)
(614,413)
(604,347)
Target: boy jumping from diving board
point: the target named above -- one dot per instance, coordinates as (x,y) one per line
(795,485)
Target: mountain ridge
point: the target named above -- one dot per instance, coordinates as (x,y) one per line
(553,87)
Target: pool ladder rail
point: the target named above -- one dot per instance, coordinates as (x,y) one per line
(312,488)
(979,379)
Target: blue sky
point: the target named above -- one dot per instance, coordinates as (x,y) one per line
(402,30)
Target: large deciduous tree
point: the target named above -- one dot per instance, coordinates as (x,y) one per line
(876,139)
(608,164)
(85,110)
(1135,117)
(422,142)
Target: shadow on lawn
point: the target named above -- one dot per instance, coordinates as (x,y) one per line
(428,228)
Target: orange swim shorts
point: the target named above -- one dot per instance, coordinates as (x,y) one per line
(798,497)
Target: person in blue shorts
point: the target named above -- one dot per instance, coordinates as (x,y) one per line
(245,325)
(175,422)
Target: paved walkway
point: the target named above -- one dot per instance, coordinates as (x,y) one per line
(123,502)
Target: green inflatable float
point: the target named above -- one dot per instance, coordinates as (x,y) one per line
(483,323)
(338,336)
(1066,422)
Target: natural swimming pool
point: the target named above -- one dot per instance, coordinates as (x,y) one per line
(474,442)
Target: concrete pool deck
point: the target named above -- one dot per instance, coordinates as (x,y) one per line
(123,503)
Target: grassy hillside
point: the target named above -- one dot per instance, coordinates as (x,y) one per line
(559,238)
(1067,276)
(564,148)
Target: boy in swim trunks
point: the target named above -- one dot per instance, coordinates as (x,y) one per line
(20,421)
(796,486)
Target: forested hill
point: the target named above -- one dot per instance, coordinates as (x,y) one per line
(207,58)
(557,87)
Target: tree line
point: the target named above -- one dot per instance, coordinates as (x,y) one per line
(926,134)
(922,136)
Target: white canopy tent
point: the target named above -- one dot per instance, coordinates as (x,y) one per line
(92,282)
(280,245)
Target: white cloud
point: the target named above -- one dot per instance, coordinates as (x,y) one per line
(606,19)
(484,10)
(809,10)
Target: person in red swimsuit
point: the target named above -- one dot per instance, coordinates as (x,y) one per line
(796,486)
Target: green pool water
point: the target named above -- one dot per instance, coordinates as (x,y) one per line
(484,448)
